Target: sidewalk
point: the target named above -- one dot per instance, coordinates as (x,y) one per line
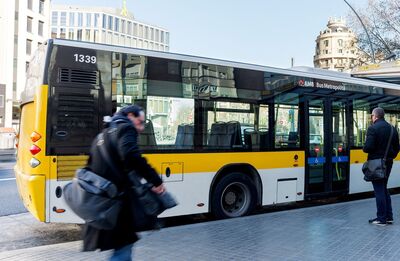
(331,232)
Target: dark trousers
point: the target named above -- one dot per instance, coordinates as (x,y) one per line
(382,196)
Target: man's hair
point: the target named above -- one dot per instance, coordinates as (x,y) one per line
(379,112)
(134,109)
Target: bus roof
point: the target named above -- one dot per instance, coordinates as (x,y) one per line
(300,72)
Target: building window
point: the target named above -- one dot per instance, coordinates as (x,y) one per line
(162,36)
(104,21)
(157,36)
(109,37)
(40,28)
(326,51)
(152,34)
(110,22)
(326,63)
(79,35)
(123,26)
(54,18)
(1,101)
(129,28)
(141,31)
(340,42)
(80,19)
(71,19)
(29,22)
(135,33)
(88,19)
(326,43)
(28,47)
(95,36)
(116,28)
(166,38)
(62,33)
(87,35)
(96,20)
(103,36)
(71,34)
(146,32)
(30,4)
(340,50)
(63,19)
(41,7)
(53,32)
(26,67)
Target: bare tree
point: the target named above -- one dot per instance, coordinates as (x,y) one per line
(382,20)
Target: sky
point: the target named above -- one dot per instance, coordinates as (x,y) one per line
(265,32)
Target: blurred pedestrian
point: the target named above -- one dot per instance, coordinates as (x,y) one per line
(128,121)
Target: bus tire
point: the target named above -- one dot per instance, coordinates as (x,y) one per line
(235,195)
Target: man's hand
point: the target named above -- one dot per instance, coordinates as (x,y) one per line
(159,190)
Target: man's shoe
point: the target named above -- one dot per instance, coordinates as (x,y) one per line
(389,221)
(372,220)
(377,222)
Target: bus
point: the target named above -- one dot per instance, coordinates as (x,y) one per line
(225,137)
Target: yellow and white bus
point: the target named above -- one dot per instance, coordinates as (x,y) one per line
(226,137)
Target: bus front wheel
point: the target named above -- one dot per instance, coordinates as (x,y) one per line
(234,196)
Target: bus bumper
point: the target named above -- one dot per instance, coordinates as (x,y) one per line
(32,192)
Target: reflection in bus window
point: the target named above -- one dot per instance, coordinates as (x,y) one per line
(172,121)
(287,122)
(361,122)
(129,84)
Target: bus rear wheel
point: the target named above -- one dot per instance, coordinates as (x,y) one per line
(234,196)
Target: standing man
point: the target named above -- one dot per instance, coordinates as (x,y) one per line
(126,156)
(377,139)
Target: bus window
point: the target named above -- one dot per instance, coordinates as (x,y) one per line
(361,122)
(227,124)
(392,114)
(129,84)
(171,120)
(287,121)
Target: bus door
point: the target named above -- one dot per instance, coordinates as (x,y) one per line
(327,145)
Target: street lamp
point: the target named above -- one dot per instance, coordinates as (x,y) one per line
(365,29)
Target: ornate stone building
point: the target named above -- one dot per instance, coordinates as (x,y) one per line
(336,47)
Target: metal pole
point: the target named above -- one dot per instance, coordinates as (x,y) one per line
(365,29)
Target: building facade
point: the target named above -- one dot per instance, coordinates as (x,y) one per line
(24,26)
(336,47)
(106,25)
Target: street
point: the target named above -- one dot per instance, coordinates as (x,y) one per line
(9,199)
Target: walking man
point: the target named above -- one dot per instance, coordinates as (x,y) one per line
(124,152)
(375,145)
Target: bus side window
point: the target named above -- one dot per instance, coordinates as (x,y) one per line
(286,126)
(172,121)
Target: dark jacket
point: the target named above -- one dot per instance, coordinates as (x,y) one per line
(377,139)
(127,157)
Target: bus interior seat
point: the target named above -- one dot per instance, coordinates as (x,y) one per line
(218,135)
(184,136)
(251,138)
(225,135)
(235,132)
(264,139)
(147,138)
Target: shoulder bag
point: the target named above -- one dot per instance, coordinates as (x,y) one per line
(146,205)
(376,169)
(93,198)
